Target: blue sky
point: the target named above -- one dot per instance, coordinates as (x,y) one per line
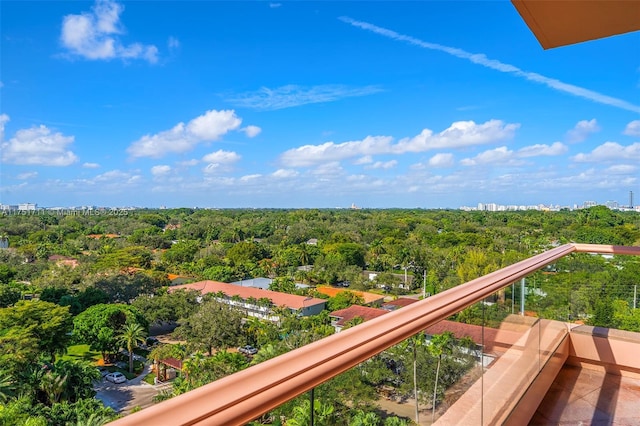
(309,104)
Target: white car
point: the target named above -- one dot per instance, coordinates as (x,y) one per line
(116,377)
(247,350)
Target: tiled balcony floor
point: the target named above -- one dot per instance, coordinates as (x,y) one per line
(581,396)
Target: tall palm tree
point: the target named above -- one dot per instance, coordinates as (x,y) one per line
(132,334)
(412,343)
(440,345)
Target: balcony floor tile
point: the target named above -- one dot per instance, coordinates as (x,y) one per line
(581,396)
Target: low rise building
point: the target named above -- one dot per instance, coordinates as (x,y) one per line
(256,302)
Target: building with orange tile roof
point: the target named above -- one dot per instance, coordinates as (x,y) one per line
(369,298)
(254,300)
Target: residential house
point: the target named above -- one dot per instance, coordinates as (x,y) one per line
(341,317)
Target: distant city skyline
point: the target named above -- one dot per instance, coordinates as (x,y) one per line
(490,207)
(309,105)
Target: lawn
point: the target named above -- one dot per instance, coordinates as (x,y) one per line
(82,353)
(149,378)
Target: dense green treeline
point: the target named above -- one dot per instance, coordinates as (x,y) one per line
(95,277)
(227,245)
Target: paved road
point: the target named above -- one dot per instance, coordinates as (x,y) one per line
(124,397)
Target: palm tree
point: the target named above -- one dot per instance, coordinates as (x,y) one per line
(6,387)
(362,418)
(440,345)
(130,337)
(191,365)
(95,419)
(303,254)
(413,343)
(323,414)
(53,385)
(255,329)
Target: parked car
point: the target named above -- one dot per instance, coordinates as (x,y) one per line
(103,371)
(116,377)
(247,350)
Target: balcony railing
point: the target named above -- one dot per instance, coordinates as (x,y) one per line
(246,395)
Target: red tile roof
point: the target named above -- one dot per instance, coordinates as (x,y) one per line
(364,312)
(494,339)
(400,302)
(172,362)
(291,301)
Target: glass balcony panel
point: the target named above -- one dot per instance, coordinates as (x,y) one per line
(457,343)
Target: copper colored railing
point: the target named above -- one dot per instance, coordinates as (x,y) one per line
(246,395)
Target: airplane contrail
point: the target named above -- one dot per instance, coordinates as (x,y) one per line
(481,59)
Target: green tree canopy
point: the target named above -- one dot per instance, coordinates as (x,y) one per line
(167,307)
(213,325)
(47,323)
(100,325)
(343,300)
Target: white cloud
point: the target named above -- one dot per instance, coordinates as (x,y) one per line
(91,165)
(383,165)
(367,159)
(4,118)
(37,146)
(249,178)
(541,149)
(621,169)
(308,155)
(460,134)
(96,34)
(330,170)
(506,157)
(482,60)
(222,157)
(27,175)
(160,170)
(209,126)
(633,128)
(213,124)
(219,161)
(499,155)
(284,173)
(441,160)
(293,95)
(251,131)
(610,151)
(112,175)
(582,130)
